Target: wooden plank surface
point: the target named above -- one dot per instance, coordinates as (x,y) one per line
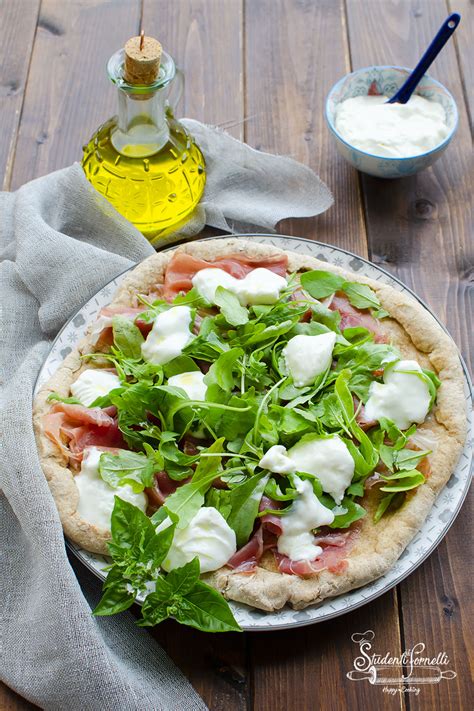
(295,52)
(427,242)
(68,93)
(17,32)
(261,69)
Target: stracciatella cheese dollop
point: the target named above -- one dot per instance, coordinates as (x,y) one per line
(391,130)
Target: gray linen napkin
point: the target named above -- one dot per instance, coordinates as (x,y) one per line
(61,243)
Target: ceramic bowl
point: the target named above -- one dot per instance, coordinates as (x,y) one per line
(388,80)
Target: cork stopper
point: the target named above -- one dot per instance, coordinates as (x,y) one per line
(142,60)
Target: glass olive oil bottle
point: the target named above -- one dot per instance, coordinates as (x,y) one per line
(144,161)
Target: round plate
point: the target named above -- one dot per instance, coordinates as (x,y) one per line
(440,518)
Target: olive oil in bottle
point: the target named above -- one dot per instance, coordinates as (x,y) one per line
(144,161)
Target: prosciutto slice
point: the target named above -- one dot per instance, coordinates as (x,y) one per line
(183,267)
(335,545)
(73,428)
(248,557)
(353,318)
(162,487)
(332,559)
(101,332)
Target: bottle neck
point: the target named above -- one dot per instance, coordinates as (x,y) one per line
(142,128)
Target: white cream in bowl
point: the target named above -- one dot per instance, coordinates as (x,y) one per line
(391,130)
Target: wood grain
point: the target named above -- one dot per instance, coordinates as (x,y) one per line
(205,38)
(420,228)
(464,43)
(68,93)
(295,51)
(17,32)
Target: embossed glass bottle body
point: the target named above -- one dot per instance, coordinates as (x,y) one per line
(144,161)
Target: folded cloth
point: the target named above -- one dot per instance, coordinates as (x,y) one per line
(62,242)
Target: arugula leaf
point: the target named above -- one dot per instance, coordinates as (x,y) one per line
(188,499)
(319,283)
(273,491)
(353,512)
(127,336)
(56,397)
(220,500)
(180,364)
(404,480)
(390,502)
(176,463)
(360,295)
(132,468)
(230,307)
(245,501)
(222,370)
(330,319)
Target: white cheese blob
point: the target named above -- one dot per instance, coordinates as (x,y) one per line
(307,357)
(169,335)
(206,282)
(404,398)
(307,513)
(98,326)
(260,286)
(93,383)
(392,130)
(276,460)
(208,537)
(192,383)
(327,459)
(96,497)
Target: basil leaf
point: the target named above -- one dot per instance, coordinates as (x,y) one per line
(154,611)
(124,467)
(230,307)
(245,501)
(360,295)
(115,598)
(319,284)
(158,546)
(130,527)
(127,337)
(205,609)
(183,579)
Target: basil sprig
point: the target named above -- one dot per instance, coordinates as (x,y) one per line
(138,552)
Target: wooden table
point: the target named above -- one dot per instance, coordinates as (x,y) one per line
(261,69)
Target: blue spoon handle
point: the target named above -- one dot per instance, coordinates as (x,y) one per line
(444,33)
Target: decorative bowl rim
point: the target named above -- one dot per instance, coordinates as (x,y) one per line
(336,133)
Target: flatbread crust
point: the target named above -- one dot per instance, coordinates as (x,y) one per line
(417,335)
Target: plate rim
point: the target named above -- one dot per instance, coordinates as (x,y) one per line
(75,550)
